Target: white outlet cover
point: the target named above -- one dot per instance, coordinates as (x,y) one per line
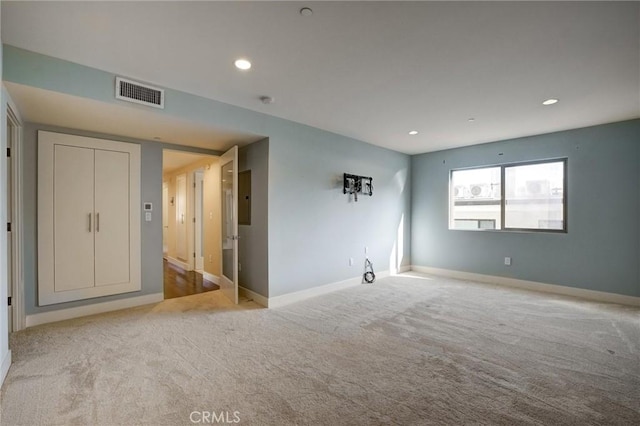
(507,261)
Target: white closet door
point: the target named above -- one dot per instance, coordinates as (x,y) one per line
(112,217)
(181,217)
(73,218)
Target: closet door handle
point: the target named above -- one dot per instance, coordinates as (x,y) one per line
(89,222)
(97,222)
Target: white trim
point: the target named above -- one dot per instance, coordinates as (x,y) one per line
(210,277)
(191,226)
(4,367)
(252,295)
(47,294)
(599,296)
(404,268)
(96,308)
(298,296)
(178,263)
(17,228)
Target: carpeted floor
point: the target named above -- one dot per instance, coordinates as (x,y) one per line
(406,351)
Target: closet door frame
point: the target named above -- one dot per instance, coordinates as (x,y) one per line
(46,284)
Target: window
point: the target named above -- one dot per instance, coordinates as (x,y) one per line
(534,196)
(476,197)
(527,196)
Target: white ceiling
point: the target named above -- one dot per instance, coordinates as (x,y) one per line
(369,70)
(58,109)
(174,160)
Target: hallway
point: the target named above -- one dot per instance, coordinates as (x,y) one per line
(179,283)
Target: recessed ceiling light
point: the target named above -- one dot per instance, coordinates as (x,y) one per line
(471,120)
(306,11)
(242,64)
(413,132)
(550,101)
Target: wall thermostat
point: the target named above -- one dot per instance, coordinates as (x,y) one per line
(148,207)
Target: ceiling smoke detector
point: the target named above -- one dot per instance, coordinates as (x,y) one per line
(267,100)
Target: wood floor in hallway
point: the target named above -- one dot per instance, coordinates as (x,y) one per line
(179,283)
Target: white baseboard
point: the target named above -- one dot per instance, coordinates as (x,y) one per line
(258,298)
(298,296)
(179,263)
(599,296)
(4,367)
(96,308)
(404,268)
(210,277)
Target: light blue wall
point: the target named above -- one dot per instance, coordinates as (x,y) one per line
(253,247)
(600,252)
(151,232)
(312,229)
(46,72)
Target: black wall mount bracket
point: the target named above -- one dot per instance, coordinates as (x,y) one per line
(355,184)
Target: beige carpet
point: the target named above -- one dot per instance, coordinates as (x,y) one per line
(405,351)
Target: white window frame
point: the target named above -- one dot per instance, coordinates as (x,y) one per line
(503,167)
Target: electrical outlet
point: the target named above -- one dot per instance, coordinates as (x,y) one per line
(507,261)
(210,259)
(351,261)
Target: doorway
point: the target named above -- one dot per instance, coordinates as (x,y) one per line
(181,218)
(165,218)
(198,229)
(191,215)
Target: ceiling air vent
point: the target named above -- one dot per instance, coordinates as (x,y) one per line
(132,91)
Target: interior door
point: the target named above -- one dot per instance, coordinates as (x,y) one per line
(73,218)
(199,194)
(112,217)
(229,203)
(165,218)
(181,217)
